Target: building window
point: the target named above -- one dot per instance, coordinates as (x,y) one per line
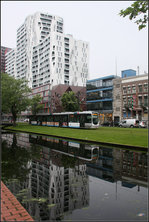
(140,100)
(140,88)
(117,109)
(134,89)
(117,85)
(124,90)
(145,101)
(118,97)
(129,90)
(99,83)
(145,87)
(129,100)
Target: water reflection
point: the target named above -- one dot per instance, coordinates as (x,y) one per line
(119,164)
(50,176)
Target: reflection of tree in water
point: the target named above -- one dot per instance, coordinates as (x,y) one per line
(15,160)
(68,161)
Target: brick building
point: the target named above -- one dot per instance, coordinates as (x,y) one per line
(59,90)
(131,98)
(135,97)
(52,98)
(4,50)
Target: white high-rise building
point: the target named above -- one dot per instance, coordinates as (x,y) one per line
(44,54)
(11,62)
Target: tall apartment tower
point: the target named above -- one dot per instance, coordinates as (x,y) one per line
(44,54)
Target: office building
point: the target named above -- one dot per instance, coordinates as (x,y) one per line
(99,97)
(44,54)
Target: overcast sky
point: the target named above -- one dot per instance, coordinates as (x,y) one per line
(115,42)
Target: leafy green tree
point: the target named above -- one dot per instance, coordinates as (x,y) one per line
(36,104)
(69,102)
(15,159)
(137,9)
(14,95)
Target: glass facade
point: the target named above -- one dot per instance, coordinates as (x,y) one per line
(98,106)
(100,94)
(101,83)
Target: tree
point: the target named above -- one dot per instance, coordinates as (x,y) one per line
(15,159)
(69,102)
(137,9)
(36,104)
(14,95)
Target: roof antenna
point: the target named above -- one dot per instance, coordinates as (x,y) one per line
(116,66)
(138,70)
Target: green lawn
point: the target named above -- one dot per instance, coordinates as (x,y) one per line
(116,135)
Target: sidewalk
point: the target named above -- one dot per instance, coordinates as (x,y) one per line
(11,209)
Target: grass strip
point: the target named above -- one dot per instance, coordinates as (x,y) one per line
(115,135)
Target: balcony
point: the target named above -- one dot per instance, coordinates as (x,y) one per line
(127,106)
(67,67)
(144,106)
(66,50)
(66,71)
(66,60)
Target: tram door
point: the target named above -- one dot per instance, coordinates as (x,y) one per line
(82,120)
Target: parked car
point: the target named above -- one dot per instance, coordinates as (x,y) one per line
(143,124)
(129,123)
(26,120)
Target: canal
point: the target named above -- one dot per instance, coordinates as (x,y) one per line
(56,179)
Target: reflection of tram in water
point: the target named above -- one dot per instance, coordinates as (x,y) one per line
(70,148)
(85,119)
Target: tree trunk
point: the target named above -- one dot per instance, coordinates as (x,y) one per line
(14,119)
(14,116)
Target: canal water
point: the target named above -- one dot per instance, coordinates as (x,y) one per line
(56,179)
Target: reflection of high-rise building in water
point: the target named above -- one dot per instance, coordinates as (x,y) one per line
(66,188)
(63,189)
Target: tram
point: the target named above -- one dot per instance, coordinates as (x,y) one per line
(82,151)
(84,119)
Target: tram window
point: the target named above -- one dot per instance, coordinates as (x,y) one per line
(33,118)
(56,118)
(88,118)
(50,118)
(74,118)
(82,118)
(87,154)
(95,151)
(95,118)
(64,118)
(44,118)
(39,118)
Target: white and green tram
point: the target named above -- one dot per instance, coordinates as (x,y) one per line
(85,119)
